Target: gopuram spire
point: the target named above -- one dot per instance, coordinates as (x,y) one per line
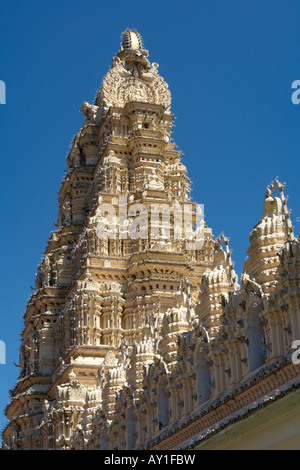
(118,255)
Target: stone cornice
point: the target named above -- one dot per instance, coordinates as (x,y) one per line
(267,383)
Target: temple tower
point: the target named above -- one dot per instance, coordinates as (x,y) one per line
(118,255)
(139,334)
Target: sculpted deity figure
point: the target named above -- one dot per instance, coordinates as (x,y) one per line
(153,182)
(272,205)
(38,280)
(46,271)
(89,110)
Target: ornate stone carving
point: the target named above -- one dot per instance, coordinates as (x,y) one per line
(89,111)
(131,78)
(115,354)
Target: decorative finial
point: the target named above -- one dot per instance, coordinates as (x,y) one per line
(131,39)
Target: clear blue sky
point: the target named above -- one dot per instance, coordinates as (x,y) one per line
(230,66)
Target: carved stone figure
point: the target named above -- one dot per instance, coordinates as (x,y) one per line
(89,110)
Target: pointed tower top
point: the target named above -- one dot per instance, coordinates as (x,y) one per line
(267,237)
(132,78)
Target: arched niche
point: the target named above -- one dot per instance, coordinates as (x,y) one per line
(130,428)
(203,377)
(163,402)
(255,336)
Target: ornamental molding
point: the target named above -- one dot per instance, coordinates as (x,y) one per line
(137,82)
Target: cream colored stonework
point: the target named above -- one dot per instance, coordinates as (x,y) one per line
(144,343)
